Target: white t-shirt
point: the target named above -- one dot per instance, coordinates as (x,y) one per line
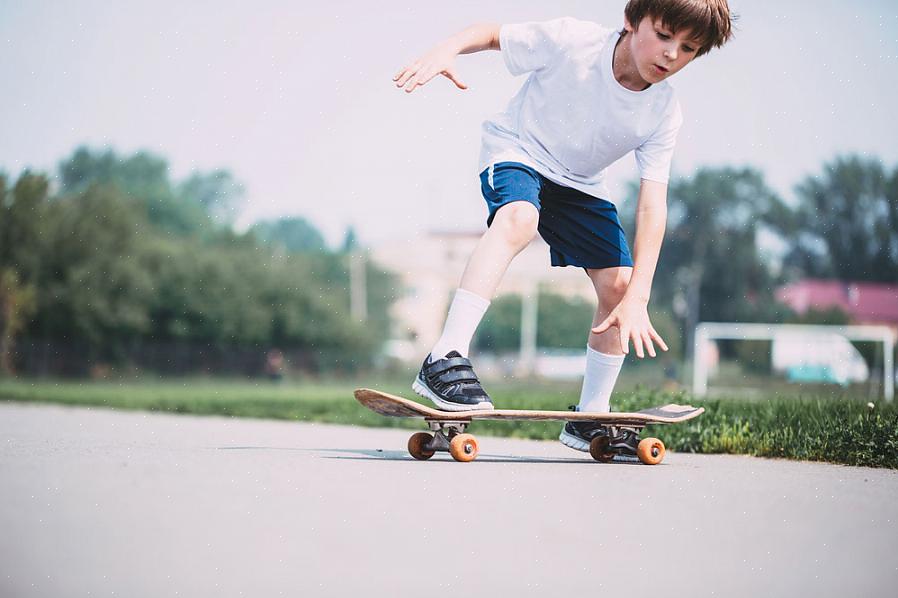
(571,119)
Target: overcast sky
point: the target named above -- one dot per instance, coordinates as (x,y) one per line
(297,101)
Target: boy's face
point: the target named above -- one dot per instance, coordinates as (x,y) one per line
(659,52)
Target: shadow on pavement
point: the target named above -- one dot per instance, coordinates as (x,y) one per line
(382,455)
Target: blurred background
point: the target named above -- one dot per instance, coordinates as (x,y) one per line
(224,190)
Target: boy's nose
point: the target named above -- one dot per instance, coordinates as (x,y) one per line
(671,54)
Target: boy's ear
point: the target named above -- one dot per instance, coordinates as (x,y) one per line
(627,25)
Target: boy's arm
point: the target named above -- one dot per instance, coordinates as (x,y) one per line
(631,314)
(440,60)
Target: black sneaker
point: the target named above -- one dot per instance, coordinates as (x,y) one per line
(451,384)
(578,435)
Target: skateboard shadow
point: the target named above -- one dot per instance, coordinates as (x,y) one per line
(383,455)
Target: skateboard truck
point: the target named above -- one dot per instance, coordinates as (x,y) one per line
(448,436)
(443,433)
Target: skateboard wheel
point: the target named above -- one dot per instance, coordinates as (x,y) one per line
(417,444)
(650,451)
(598,448)
(463,447)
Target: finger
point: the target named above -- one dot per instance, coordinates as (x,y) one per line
(605,325)
(637,345)
(647,341)
(426,77)
(625,341)
(404,77)
(454,78)
(412,83)
(658,339)
(407,73)
(421,77)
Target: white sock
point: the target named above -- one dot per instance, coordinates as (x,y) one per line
(598,381)
(465,313)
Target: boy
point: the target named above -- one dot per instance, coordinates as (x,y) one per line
(593,95)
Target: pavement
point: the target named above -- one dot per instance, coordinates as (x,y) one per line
(99,502)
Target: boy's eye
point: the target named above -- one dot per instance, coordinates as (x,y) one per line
(662,35)
(689,49)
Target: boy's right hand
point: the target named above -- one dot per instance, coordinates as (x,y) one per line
(439,61)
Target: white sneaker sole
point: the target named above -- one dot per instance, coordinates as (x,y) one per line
(421,390)
(573,442)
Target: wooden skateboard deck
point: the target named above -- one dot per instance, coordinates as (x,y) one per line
(450,425)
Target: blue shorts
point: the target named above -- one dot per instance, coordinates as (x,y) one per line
(581,230)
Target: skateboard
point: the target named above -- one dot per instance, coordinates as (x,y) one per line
(448,427)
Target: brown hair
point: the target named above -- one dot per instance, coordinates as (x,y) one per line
(709,21)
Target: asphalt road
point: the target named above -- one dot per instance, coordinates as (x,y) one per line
(106,503)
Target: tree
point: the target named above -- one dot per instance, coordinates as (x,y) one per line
(93,284)
(22,223)
(846,223)
(144,177)
(98,267)
(22,227)
(350,242)
(16,305)
(289,235)
(217,192)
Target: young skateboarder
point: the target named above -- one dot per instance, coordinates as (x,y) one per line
(593,94)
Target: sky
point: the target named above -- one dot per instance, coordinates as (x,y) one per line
(296,99)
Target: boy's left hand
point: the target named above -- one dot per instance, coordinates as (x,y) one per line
(631,317)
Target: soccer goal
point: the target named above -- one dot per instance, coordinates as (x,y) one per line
(804,352)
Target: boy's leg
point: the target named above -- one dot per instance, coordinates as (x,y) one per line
(604,356)
(447,377)
(604,359)
(512,229)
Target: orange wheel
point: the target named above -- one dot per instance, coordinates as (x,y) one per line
(598,448)
(463,447)
(416,446)
(650,451)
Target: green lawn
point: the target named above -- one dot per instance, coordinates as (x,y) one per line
(836,429)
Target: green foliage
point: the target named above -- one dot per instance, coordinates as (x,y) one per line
(121,256)
(666,325)
(16,304)
(562,323)
(833,317)
(21,227)
(755,356)
(217,192)
(846,223)
(143,177)
(289,235)
(500,329)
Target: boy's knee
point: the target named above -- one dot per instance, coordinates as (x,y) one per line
(610,285)
(518,222)
(613,292)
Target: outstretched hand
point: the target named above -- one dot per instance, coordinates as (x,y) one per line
(439,61)
(631,317)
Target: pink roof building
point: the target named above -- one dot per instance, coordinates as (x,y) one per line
(864,302)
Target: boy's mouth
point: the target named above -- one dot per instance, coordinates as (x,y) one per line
(661,70)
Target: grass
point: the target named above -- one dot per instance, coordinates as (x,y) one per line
(835,429)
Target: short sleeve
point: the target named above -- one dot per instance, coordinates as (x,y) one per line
(532,46)
(654,156)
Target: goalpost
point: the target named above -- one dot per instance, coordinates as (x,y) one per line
(707,331)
